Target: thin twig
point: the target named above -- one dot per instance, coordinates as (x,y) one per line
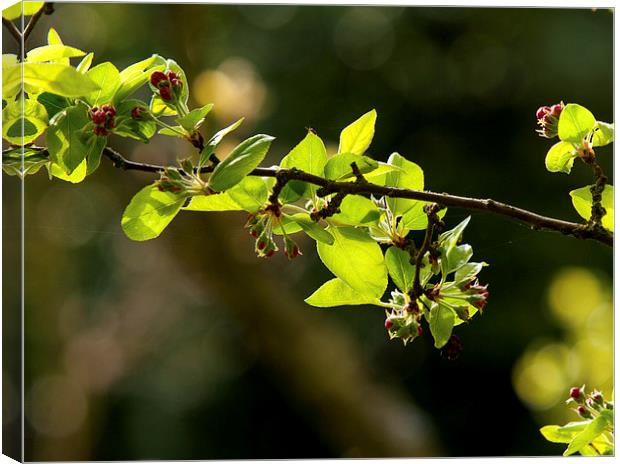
(33,21)
(12,28)
(431,212)
(534,220)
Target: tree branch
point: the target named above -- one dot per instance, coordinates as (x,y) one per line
(534,220)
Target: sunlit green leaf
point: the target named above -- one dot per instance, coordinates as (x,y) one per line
(563,434)
(65,138)
(357,211)
(310,156)
(603,134)
(216,202)
(575,123)
(336,292)
(23,121)
(107,77)
(587,435)
(313,229)
(250,193)
(77,176)
(441,323)
(416,219)
(339,167)
(52,53)
(356,259)
(149,212)
(15,11)
(55,78)
(400,268)
(215,141)
(241,161)
(194,119)
(560,157)
(582,201)
(357,136)
(409,176)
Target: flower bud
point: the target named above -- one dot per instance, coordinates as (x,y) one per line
(98,116)
(452,349)
(100,131)
(136,113)
(157,77)
(165,93)
(583,412)
(577,394)
(597,397)
(542,112)
(388,324)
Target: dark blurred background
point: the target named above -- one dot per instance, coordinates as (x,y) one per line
(189,347)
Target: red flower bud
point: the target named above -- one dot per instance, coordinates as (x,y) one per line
(100,131)
(576,393)
(165,93)
(98,116)
(156,77)
(109,124)
(270,253)
(420,330)
(172,75)
(555,110)
(388,324)
(542,112)
(136,113)
(109,109)
(260,245)
(583,412)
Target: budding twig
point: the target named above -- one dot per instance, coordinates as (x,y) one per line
(534,220)
(433,220)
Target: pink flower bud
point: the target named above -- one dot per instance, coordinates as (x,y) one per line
(542,112)
(98,117)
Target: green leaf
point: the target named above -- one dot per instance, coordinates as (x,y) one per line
(356,259)
(11,77)
(84,65)
(56,78)
(173,131)
(53,38)
(563,434)
(416,219)
(159,108)
(560,157)
(448,239)
(251,193)
(23,161)
(65,138)
(356,137)
(336,292)
(194,119)
(587,435)
(53,104)
(94,149)
(216,202)
(441,323)
(136,75)
(313,229)
(34,120)
(339,167)
(310,156)
(400,268)
(409,176)
(215,141)
(582,201)
(575,123)
(77,176)
(149,212)
(52,53)
(603,134)
(126,126)
(107,77)
(357,211)
(288,225)
(456,257)
(15,11)
(241,161)
(467,271)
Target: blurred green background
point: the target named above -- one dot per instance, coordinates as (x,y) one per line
(188,347)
